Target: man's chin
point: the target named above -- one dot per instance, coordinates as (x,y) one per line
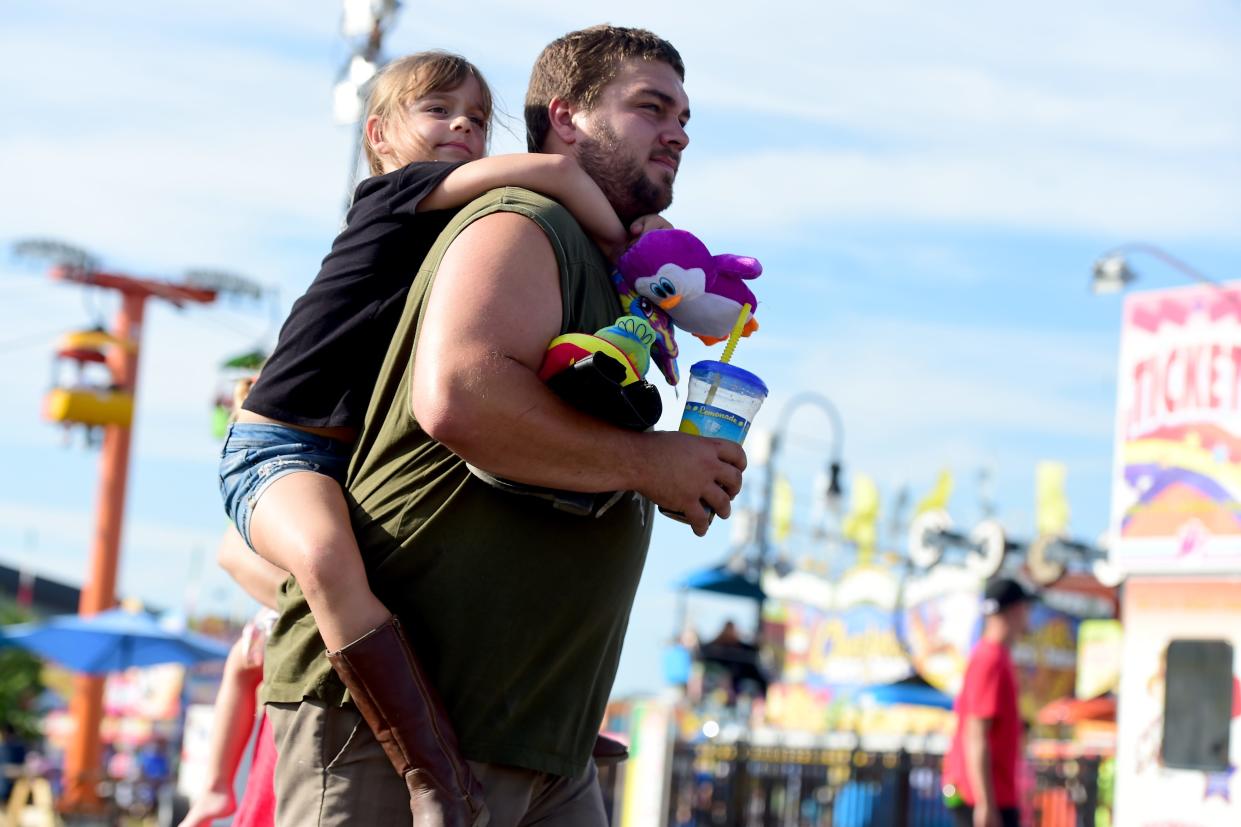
(659,193)
(662,178)
(642,196)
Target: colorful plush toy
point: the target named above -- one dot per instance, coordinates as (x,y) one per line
(664,349)
(666,277)
(702,294)
(628,341)
(601,373)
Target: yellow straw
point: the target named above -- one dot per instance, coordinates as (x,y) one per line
(733,338)
(736,334)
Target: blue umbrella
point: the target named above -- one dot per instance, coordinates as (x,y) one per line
(912,692)
(724,580)
(112,641)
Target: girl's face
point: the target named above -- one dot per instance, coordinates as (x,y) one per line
(445,125)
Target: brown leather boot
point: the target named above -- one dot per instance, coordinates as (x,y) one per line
(408,719)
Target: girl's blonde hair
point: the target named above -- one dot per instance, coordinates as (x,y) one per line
(413,77)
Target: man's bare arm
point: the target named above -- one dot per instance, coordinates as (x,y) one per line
(978,762)
(493,309)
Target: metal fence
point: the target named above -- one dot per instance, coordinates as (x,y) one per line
(741,785)
(1067,793)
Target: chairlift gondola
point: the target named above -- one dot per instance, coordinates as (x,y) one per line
(88,395)
(236,374)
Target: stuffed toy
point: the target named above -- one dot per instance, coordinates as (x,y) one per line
(668,277)
(628,341)
(702,294)
(599,374)
(602,373)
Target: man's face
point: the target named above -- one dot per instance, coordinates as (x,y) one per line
(1019,618)
(632,139)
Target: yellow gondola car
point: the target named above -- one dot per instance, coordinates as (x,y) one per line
(89,406)
(87,401)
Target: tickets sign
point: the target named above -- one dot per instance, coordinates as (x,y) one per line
(1176,491)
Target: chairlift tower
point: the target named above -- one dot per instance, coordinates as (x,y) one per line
(82,758)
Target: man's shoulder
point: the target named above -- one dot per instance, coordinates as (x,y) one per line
(548,216)
(533,205)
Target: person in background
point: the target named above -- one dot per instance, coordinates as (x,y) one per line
(237,701)
(12,758)
(983,761)
(737,657)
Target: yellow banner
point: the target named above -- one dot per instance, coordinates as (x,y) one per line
(1051,503)
(937,499)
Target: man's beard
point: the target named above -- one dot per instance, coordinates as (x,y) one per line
(628,188)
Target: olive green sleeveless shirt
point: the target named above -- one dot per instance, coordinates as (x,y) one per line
(517,610)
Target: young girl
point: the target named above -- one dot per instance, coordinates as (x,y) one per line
(283,463)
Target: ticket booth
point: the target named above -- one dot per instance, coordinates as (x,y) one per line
(1176,534)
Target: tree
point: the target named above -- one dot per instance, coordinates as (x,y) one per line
(21,683)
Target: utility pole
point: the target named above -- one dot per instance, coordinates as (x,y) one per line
(363,25)
(82,759)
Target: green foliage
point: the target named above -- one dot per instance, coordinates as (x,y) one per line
(20,682)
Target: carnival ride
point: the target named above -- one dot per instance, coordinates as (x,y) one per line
(94,382)
(89,396)
(934,539)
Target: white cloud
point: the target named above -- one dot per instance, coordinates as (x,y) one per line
(1117,119)
(159,560)
(797,192)
(919,396)
(883,112)
(908,378)
(1063,73)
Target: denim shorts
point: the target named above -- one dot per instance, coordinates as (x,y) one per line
(256,455)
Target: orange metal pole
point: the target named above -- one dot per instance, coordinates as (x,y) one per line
(83,770)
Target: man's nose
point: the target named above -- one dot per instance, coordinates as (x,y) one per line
(676,136)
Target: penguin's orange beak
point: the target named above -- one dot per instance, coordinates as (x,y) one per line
(670,302)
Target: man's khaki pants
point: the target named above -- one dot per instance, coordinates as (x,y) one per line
(331,771)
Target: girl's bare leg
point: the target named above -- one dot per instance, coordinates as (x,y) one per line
(301,524)
(230,732)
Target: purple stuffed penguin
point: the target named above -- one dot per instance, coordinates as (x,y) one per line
(701,293)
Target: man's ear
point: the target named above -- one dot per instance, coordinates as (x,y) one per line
(561,112)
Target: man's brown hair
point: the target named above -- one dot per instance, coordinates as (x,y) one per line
(577,66)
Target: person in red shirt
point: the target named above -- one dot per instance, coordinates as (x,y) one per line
(982,761)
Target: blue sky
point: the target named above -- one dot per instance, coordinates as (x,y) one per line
(926,185)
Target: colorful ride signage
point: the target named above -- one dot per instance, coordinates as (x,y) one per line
(853,644)
(1099,644)
(1176,501)
(940,624)
(836,641)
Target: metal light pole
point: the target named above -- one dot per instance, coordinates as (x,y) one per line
(834,469)
(363,24)
(1112,272)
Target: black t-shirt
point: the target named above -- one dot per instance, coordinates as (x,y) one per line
(327,358)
